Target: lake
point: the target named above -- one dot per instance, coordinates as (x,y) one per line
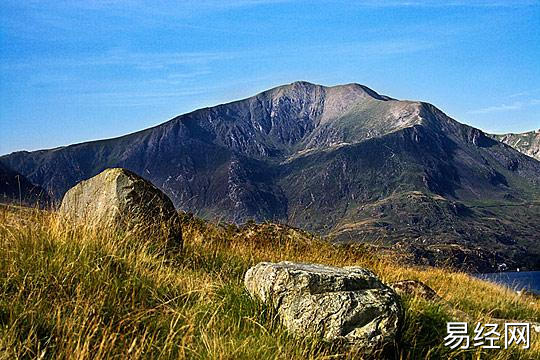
(528,280)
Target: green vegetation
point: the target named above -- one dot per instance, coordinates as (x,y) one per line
(76,293)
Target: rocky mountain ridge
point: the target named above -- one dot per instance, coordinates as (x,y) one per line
(342,161)
(528,142)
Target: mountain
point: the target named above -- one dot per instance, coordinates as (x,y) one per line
(16,188)
(342,161)
(527,142)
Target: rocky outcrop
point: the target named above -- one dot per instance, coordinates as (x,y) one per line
(117,198)
(527,143)
(349,305)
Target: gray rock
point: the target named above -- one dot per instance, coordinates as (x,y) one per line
(118,198)
(349,305)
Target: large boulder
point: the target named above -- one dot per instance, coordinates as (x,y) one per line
(348,305)
(119,199)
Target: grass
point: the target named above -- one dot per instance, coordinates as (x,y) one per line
(77,293)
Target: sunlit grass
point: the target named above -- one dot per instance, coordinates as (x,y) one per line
(78,293)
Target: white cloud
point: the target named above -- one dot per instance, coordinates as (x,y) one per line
(519,94)
(498,108)
(127,58)
(506,107)
(442,3)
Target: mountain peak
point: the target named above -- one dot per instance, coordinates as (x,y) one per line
(340,160)
(304,83)
(339,90)
(314,104)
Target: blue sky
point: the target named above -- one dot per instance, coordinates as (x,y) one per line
(72,71)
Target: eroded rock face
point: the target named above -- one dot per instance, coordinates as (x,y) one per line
(348,304)
(528,143)
(119,198)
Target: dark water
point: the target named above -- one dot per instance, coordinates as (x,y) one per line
(518,280)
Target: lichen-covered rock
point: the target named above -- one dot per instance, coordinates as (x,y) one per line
(348,304)
(118,198)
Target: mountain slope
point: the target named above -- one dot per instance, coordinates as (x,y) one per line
(16,188)
(528,142)
(343,161)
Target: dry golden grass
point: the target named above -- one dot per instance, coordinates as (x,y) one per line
(76,293)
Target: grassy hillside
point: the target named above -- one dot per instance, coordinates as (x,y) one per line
(73,293)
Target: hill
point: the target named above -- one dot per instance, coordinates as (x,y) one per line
(340,161)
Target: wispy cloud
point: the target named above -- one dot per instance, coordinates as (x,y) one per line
(365,49)
(134,99)
(519,94)
(162,60)
(530,93)
(386,47)
(127,58)
(234,3)
(498,108)
(442,3)
(517,105)
(66,19)
(180,78)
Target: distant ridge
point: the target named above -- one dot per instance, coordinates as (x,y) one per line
(528,142)
(17,189)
